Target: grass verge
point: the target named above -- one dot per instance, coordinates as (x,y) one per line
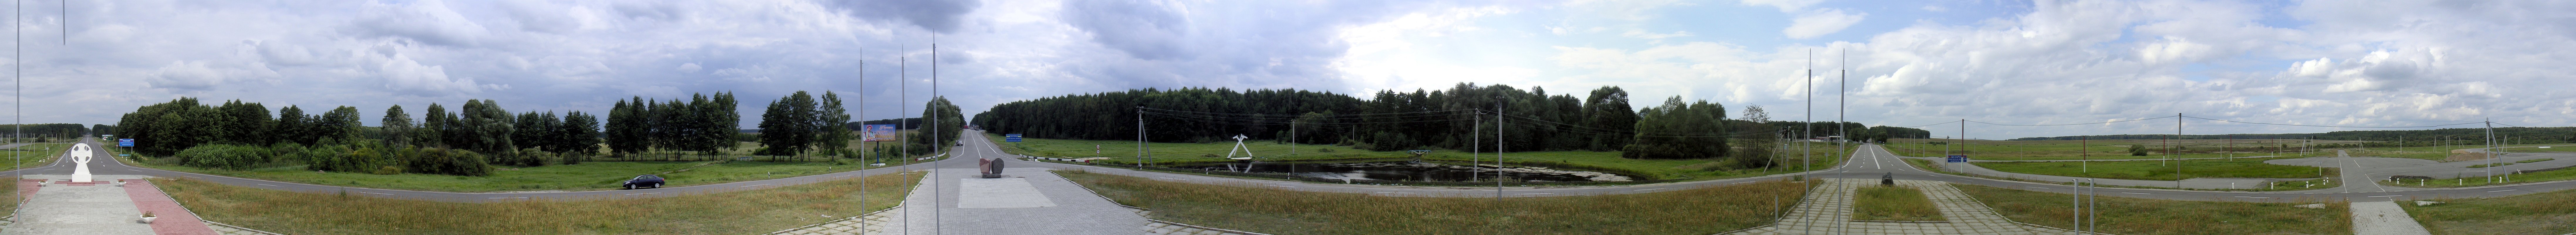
(2540,213)
(2132,216)
(2101,149)
(1696,211)
(2474,180)
(2536,160)
(14,199)
(1893,203)
(2490,165)
(744,212)
(2158,170)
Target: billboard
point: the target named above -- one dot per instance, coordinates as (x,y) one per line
(881,132)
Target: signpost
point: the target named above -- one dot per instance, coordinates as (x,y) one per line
(877,133)
(124,142)
(1011,138)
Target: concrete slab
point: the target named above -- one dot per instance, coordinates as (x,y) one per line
(95,209)
(999,193)
(2383,218)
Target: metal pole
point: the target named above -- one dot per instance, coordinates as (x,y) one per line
(934,127)
(1476,154)
(1140,137)
(1840,106)
(1498,150)
(2490,150)
(2176,153)
(1809,150)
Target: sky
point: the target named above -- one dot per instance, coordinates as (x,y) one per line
(2395,63)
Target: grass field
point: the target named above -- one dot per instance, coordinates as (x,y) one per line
(2554,148)
(2276,186)
(744,212)
(34,155)
(2474,180)
(1124,152)
(1696,211)
(2118,149)
(2157,170)
(2131,216)
(1893,203)
(2540,213)
(591,175)
(2535,160)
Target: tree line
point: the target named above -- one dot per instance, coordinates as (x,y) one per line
(703,124)
(1461,117)
(45,132)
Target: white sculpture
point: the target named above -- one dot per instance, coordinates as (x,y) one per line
(80,158)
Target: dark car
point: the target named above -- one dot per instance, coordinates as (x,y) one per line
(644,181)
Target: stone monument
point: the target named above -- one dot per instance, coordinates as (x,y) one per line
(992,167)
(80,160)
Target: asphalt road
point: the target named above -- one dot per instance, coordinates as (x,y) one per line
(1868,162)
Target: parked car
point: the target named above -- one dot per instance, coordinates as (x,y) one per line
(644,181)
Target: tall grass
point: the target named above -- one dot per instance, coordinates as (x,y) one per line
(2132,216)
(14,199)
(585,176)
(34,155)
(1697,211)
(2158,170)
(1893,203)
(2540,213)
(743,212)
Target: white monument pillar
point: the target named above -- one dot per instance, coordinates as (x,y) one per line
(80,158)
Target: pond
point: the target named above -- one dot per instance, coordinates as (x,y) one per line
(1411,171)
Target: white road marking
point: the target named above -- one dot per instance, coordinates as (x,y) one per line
(639,193)
(2387,196)
(1530,193)
(271,185)
(378,193)
(1646,189)
(2503,190)
(752,185)
(2134,193)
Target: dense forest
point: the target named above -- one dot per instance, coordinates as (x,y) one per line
(45,132)
(1530,120)
(2448,136)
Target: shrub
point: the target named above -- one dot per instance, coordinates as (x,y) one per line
(222,156)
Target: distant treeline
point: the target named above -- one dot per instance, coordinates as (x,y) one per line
(2455,136)
(46,131)
(1602,120)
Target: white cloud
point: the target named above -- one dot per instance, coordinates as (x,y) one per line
(1820,22)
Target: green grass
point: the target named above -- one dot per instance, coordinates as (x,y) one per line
(35,155)
(1124,153)
(744,212)
(2276,186)
(12,207)
(2132,216)
(581,177)
(2490,165)
(2153,170)
(2475,179)
(1893,203)
(1263,210)
(2535,160)
(2540,213)
(2097,149)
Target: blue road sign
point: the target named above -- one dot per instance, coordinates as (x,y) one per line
(124,142)
(1958,158)
(1011,138)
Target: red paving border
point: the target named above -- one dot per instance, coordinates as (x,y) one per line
(173,218)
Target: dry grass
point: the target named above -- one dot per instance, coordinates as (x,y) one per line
(2132,216)
(14,199)
(743,212)
(1893,203)
(2542,213)
(1697,211)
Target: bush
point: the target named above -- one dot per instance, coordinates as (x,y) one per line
(222,156)
(447,162)
(573,158)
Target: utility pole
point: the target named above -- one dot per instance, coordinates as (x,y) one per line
(1807,148)
(1140,137)
(2490,150)
(1841,107)
(1498,150)
(2174,153)
(1476,152)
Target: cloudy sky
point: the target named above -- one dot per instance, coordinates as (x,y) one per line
(2337,63)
